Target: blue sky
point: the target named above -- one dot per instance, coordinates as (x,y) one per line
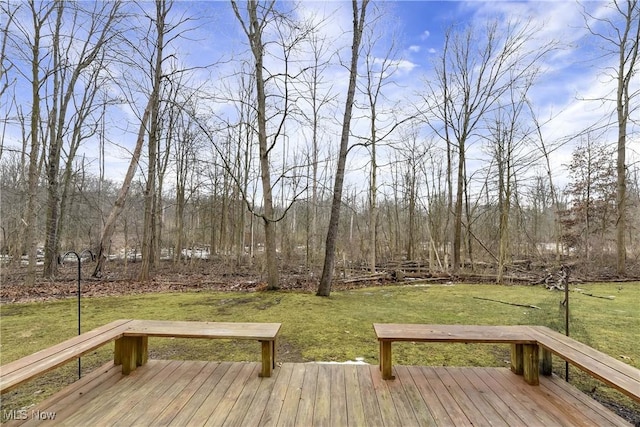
(572,72)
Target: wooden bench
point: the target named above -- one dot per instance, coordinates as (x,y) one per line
(607,369)
(21,370)
(131,345)
(524,348)
(131,350)
(531,350)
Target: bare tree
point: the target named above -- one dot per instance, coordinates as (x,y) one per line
(619,32)
(412,153)
(72,102)
(317,98)
(118,206)
(289,36)
(378,75)
(64,46)
(508,141)
(475,69)
(9,13)
(161,33)
(158,36)
(32,39)
(161,30)
(546,151)
(324,287)
(184,156)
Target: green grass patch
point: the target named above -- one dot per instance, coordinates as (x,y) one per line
(338,328)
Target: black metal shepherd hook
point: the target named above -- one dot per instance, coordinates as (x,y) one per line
(79,257)
(564,281)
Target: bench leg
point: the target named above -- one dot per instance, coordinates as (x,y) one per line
(142,350)
(531,362)
(130,352)
(546,365)
(524,361)
(385,360)
(517,359)
(268,358)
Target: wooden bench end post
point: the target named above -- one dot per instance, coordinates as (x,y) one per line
(130,352)
(517,359)
(546,365)
(385,360)
(268,358)
(531,362)
(142,350)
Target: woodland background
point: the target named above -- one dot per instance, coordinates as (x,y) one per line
(241,160)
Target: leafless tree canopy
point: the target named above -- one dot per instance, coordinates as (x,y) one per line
(300,148)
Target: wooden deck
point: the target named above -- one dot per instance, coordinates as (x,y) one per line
(185,393)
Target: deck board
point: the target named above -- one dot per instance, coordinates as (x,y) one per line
(437,410)
(355,407)
(187,393)
(179,404)
(504,405)
(304,416)
(244,401)
(369,399)
(292,398)
(322,401)
(478,398)
(216,394)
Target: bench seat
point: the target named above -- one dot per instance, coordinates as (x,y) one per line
(132,348)
(524,348)
(131,345)
(607,369)
(15,373)
(532,347)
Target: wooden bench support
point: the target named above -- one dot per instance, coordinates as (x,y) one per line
(268,358)
(530,355)
(517,359)
(131,352)
(385,360)
(546,365)
(525,361)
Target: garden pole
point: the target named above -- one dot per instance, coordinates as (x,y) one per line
(565,277)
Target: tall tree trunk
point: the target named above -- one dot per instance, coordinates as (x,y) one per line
(118,206)
(254,33)
(324,288)
(53,159)
(35,165)
(627,67)
(373,204)
(457,226)
(149,228)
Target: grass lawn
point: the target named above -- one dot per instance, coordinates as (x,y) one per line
(338,328)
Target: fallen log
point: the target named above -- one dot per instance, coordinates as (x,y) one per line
(367,278)
(509,303)
(596,296)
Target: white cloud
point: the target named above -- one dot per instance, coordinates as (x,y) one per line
(414,48)
(425,35)
(405,65)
